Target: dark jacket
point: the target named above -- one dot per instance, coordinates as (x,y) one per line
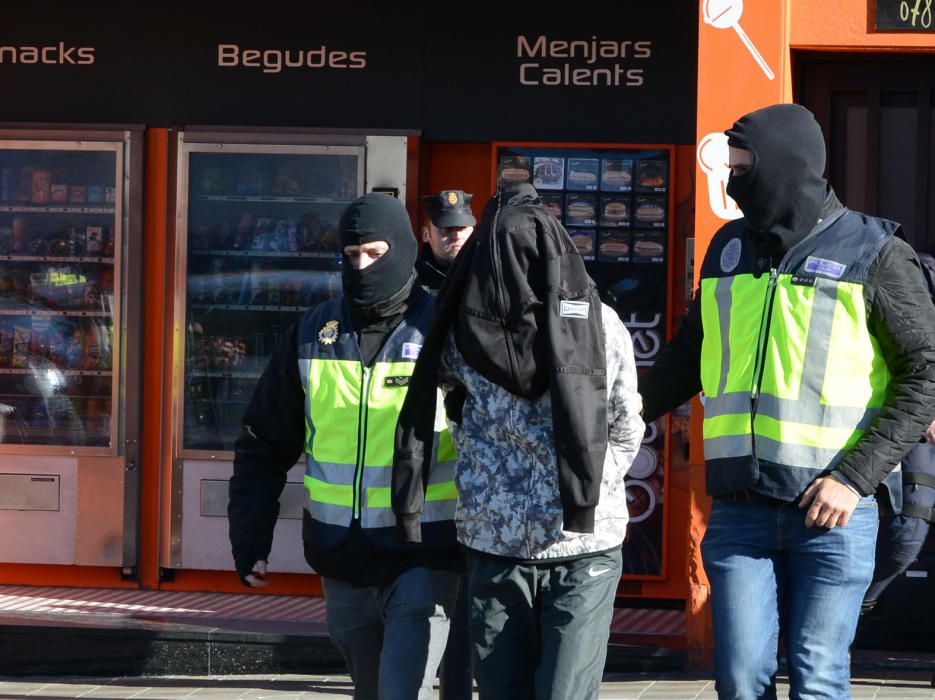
(495,311)
(431,276)
(901,318)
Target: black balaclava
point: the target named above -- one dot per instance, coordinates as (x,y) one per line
(781,197)
(377,217)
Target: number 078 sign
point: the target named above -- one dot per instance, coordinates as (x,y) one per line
(905,15)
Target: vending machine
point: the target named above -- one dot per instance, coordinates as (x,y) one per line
(256,245)
(69,345)
(616,201)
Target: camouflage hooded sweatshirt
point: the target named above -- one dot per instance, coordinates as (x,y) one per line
(508,494)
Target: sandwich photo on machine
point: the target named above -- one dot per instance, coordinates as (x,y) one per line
(549,173)
(650,212)
(552,203)
(582,174)
(614,245)
(648,245)
(617,175)
(579,211)
(514,169)
(584,242)
(614,212)
(651,175)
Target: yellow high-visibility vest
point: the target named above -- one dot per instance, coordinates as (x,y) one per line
(791,373)
(350,421)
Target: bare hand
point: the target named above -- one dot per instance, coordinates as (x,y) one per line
(257,577)
(930,433)
(829,502)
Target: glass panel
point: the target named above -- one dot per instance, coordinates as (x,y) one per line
(898,158)
(262,248)
(848,138)
(58,240)
(855,174)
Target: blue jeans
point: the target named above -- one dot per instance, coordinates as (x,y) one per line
(770,573)
(393,636)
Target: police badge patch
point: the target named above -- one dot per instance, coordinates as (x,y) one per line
(730,255)
(328,333)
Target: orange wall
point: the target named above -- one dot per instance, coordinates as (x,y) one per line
(457,166)
(848,25)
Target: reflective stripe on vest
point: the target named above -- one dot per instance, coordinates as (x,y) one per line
(801,355)
(350,423)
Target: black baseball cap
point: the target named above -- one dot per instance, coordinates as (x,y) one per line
(450,209)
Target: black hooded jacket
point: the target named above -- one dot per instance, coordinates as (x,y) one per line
(899,313)
(526,316)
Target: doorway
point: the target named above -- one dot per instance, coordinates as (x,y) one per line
(878,116)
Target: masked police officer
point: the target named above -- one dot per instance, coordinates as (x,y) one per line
(333,390)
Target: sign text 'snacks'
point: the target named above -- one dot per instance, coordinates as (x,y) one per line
(275,60)
(573,63)
(55,55)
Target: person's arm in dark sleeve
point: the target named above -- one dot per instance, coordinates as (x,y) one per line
(902,319)
(676,374)
(271,439)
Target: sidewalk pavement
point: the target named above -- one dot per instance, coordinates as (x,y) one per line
(901,685)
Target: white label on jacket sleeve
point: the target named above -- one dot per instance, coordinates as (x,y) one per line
(574,309)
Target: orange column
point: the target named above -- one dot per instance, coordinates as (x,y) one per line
(156,296)
(743,64)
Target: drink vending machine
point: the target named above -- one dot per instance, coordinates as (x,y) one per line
(256,245)
(70,234)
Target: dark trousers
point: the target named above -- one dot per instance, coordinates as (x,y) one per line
(901,536)
(539,631)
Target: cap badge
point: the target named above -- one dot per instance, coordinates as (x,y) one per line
(328,333)
(452,198)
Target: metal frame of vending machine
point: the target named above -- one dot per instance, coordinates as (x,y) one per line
(256,245)
(70,356)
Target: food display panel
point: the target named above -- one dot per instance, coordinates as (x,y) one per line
(60,258)
(615,204)
(261,248)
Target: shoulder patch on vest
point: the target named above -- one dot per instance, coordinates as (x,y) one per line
(328,333)
(730,255)
(823,266)
(411,351)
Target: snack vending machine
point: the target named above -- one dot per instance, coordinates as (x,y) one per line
(256,245)
(70,234)
(616,203)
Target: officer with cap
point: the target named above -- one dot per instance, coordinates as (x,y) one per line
(447,226)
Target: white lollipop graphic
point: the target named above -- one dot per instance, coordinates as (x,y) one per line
(725,14)
(713,157)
